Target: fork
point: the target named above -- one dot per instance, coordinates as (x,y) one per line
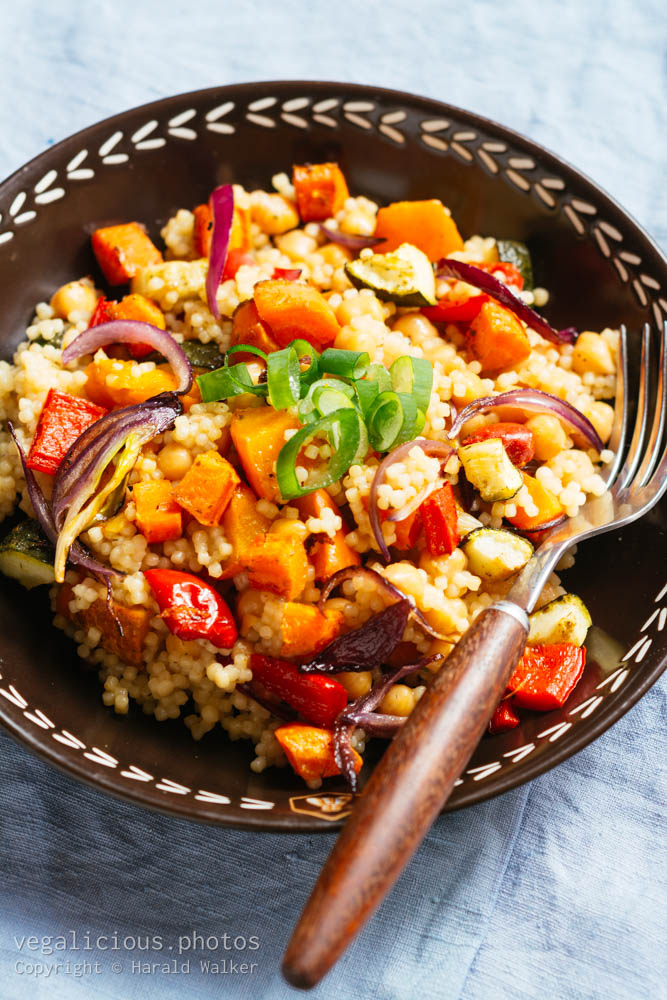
(416,774)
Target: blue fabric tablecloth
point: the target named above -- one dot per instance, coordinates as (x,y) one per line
(554,890)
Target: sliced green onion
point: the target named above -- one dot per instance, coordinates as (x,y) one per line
(345,364)
(231,380)
(380,375)
(392,419)
(283,378)
(366,392)
(305,350)
(415,377)
(342,430)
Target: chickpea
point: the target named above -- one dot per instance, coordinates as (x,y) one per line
(297,245)
(548,435)
(399,700)
(592,353)
(174,461)
(75,296)
(415,326)
(335,255)
(362,304)
(601,415)
(356,684)
(273,213)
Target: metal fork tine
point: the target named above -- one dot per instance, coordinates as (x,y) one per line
(652,452)
(618,431)
(641,420)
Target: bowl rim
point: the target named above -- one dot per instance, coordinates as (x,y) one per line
(580,737)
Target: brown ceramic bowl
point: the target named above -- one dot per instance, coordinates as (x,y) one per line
(601,269)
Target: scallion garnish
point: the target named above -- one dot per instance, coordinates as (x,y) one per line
(415,377)
(342,431)
(344,364)
(283,378)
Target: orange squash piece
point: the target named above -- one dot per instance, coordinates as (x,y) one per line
(294,311)
(327,555)
(135,622)
(548,506)
(242,523)
(138,307)
(321,190)
(424,224)
(277,564)
(159,517)
(207,487)
(111,383)
(310,751)
(305,630)
(247,328)
(258,434)
(123,250)
(240,236)
(497,338)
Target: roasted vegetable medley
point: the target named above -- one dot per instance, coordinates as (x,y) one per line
(273,469)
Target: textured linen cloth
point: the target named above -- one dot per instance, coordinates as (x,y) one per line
(554,890)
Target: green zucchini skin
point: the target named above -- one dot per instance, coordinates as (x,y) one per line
(404,276)
(199,355)
(517,253)
(27,556)
(490,470)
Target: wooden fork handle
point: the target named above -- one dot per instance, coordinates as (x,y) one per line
(406,792)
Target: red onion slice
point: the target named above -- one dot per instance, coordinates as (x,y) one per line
(221,203)
(130,331)
(437,448)
(366,647)
(385,586)
(351,241)
(532,399)
(448,268)
(360,712)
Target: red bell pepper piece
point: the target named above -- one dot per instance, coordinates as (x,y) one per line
(62,420)
(503,718)
(235,259)
(288,273)
(319,699)
(102,312)
(546,675)
(439,517)
(517,439)
(191,608)
(508,272)
(455,308)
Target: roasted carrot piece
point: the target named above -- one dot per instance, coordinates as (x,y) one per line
(111,383)
(548,506)
(425,224)
(497,338)
(207,487)
(305,630)
(242,523)
(258,434)
(277,564)
(327,555)
(310,751)
(240,237)
(321,190)
(135,622)
(123,250)
(296,311)
(247,328)
(159,517)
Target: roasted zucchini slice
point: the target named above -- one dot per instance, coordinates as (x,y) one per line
(27,556)
(565,619)
(488,468)
(494,554)
(517,253)
(404,276)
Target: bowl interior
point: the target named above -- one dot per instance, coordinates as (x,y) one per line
(599,267)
